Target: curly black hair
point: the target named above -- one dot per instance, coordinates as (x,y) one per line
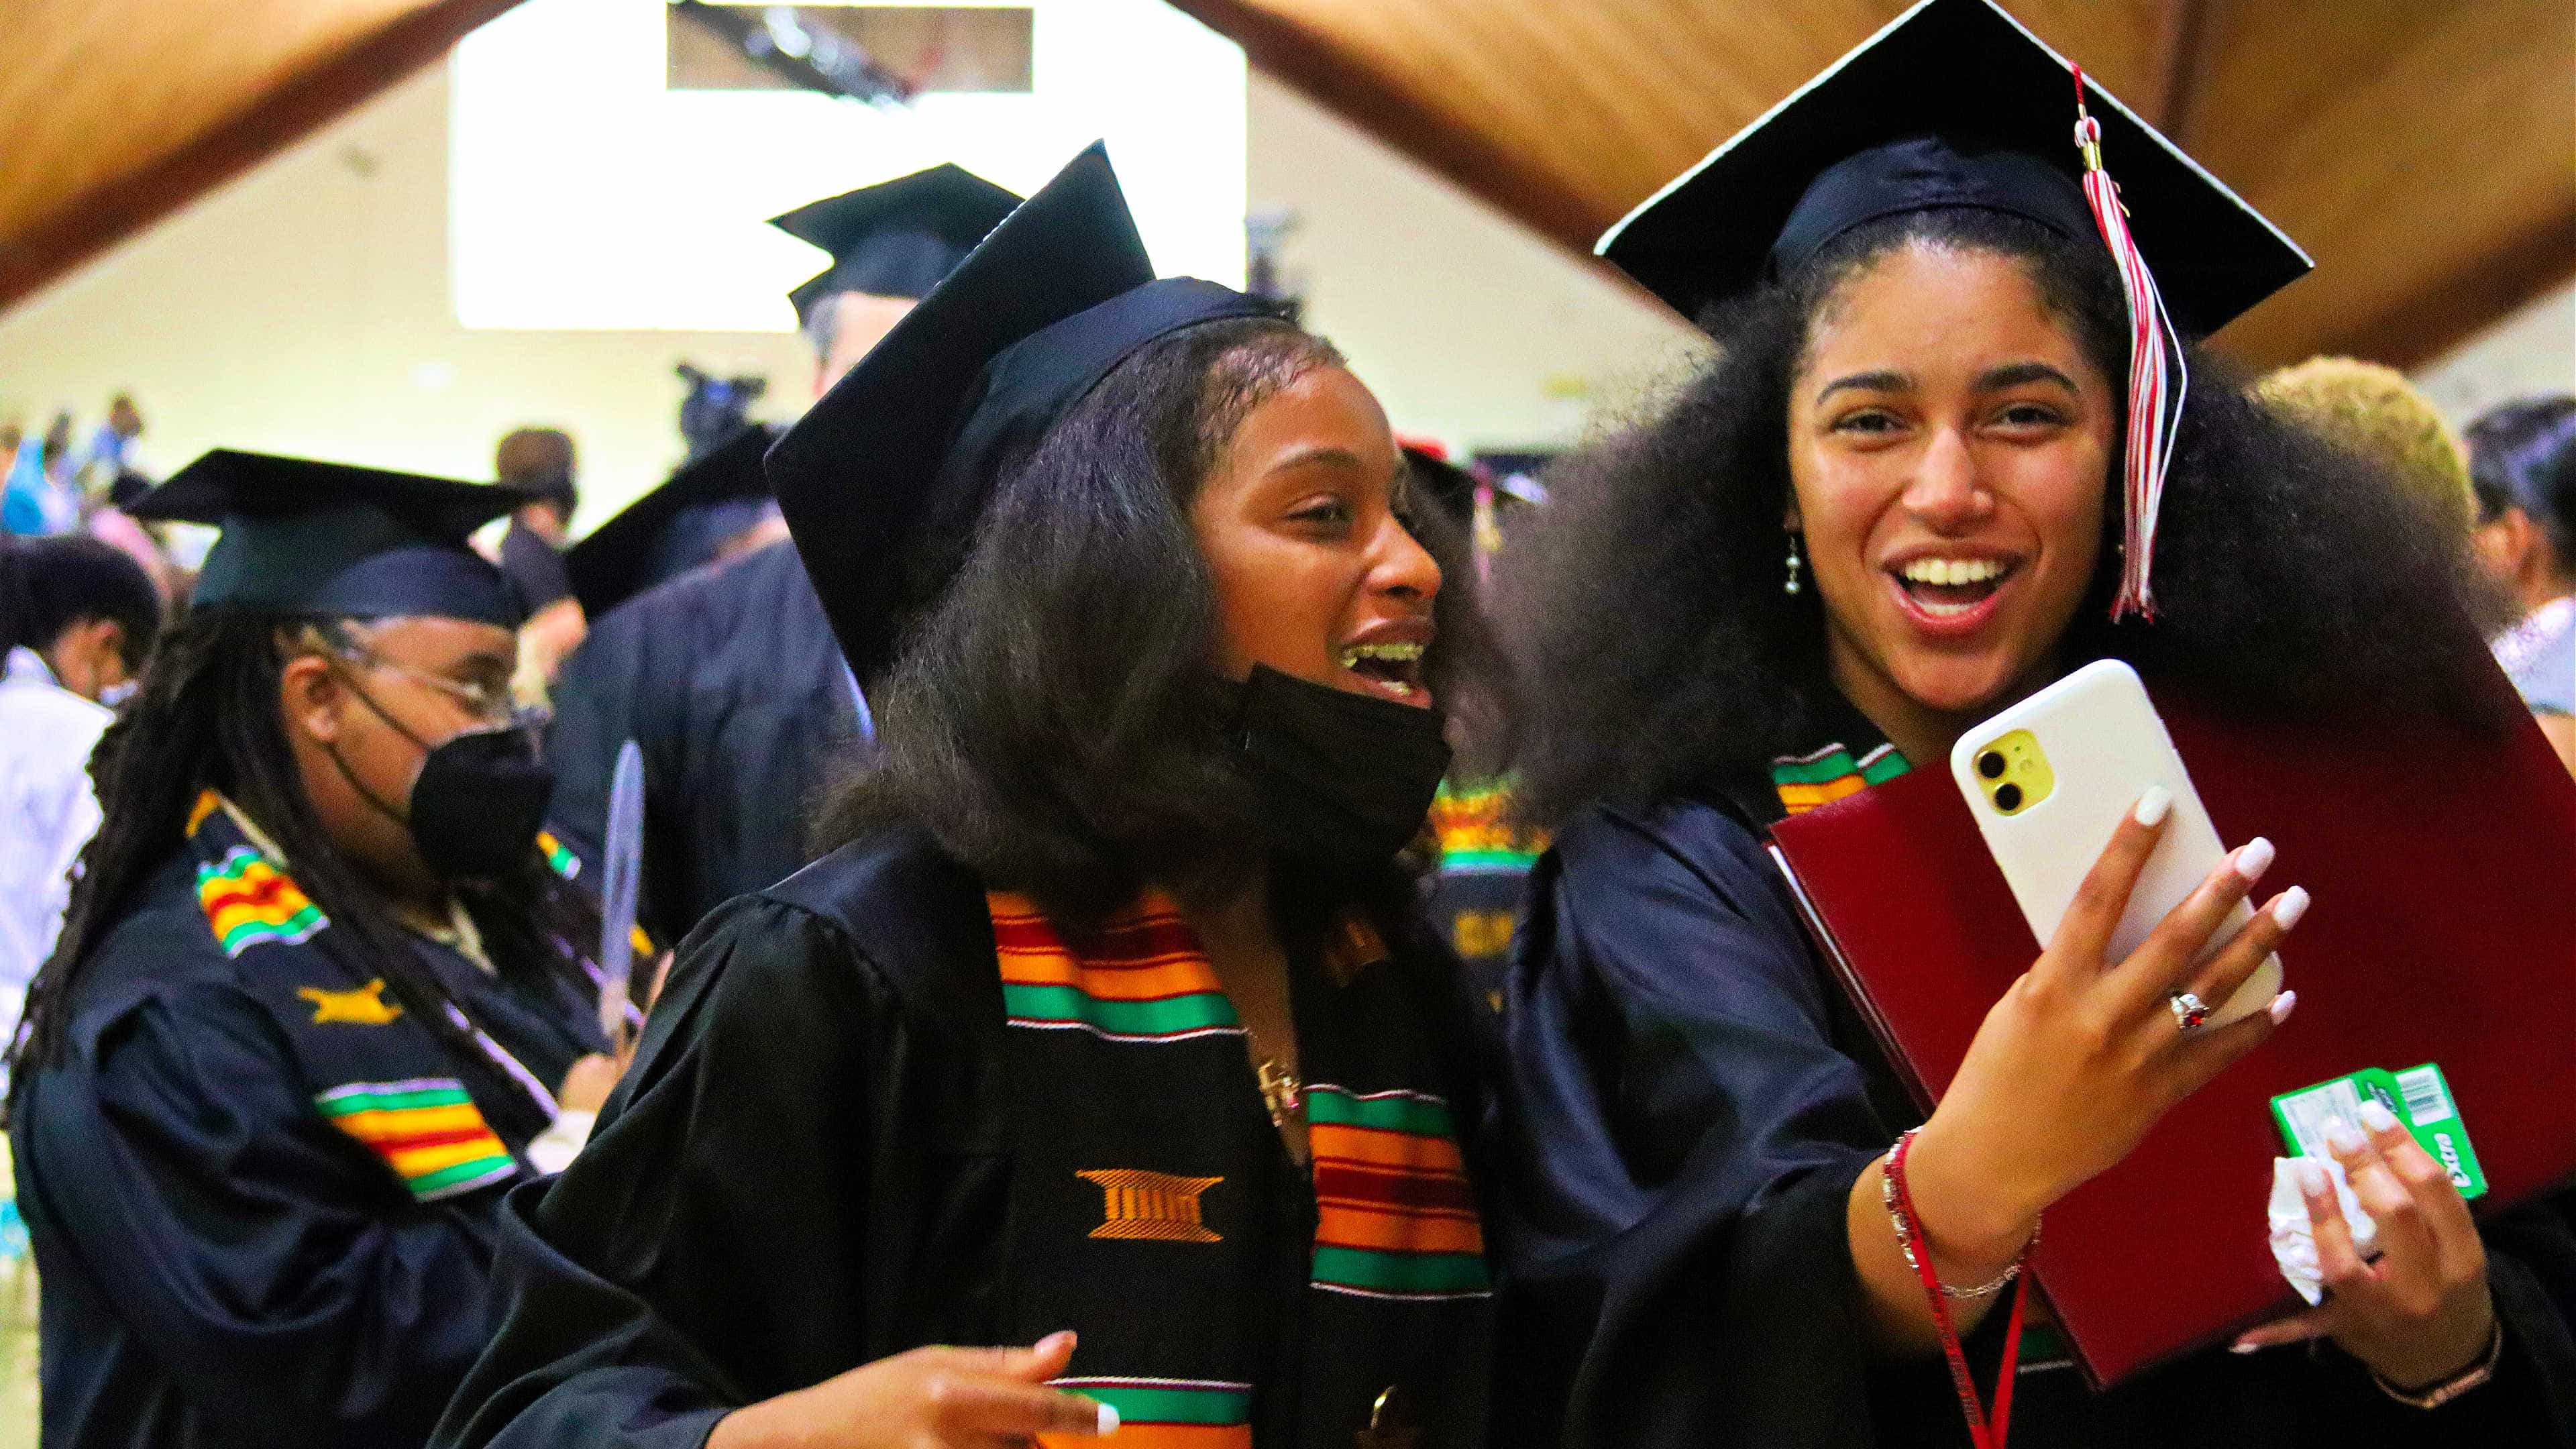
(1053,720)
(207,716)
(1656,650)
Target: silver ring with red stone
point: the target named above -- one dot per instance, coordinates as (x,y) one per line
(2190,1012)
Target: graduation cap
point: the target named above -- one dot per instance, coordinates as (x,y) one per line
(677,526)
(883,479)
(897,238)
(1955,104)
(329,539)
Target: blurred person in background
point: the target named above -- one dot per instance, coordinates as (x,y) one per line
(2372,410)
(2375,412)
(1485,852)
(78,619)
(32,501)
(541,462)
(728,676)
(2522,457)
(112,480)
(111,448)
(323,990)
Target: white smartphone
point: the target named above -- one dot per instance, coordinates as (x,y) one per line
(2048,781)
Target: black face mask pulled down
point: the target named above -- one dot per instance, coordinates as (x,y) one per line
(1340,778)
(478,802)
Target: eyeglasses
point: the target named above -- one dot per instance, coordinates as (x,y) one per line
(487,703)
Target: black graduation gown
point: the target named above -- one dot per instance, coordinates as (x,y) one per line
(729,679)
(811,1167)
(1687,1102)
(534,567)
(221,1265)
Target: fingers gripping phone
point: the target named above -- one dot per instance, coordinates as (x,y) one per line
(2049,780)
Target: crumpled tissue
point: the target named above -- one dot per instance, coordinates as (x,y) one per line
(2294,1244)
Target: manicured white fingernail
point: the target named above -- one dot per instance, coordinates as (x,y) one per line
(2153,805)
(2313,1179)
(1108,1419)
(2254,859)
(2245,1345)
(2341,1136)
(2292,905)
(2376,1116)
(2282,1005)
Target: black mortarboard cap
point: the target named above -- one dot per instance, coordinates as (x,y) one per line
(899,237)
(680,524)
(1953,104)
(329,539)
(884,479)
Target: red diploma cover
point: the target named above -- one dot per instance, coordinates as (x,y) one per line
(2443,866)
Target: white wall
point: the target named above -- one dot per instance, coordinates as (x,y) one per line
(306,308)
(1470,327)
(2532,351)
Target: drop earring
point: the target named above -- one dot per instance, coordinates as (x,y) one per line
(1792,587)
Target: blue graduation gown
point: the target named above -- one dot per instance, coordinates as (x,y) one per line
(221,1264)
(1687,1101)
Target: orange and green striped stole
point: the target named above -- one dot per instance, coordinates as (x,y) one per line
(567,866)
(1394,1215)
(247,900)
(1165,1414)
(427,1130)
(559,858)
(1474,827)
(1140,978)
(1830,774)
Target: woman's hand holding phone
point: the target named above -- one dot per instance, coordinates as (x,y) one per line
(2085,1054)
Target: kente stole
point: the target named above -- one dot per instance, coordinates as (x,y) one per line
(386,1080)
(1222,1301)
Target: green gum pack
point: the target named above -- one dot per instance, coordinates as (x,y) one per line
(2420,1098)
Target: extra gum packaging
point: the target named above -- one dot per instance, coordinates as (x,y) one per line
(2418,1096)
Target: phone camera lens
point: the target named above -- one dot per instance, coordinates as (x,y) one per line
(2008,798)
(1991,764)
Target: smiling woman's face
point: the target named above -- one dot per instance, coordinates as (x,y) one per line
(1949,446)
(1315,575)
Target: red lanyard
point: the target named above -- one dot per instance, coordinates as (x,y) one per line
(1981,1432)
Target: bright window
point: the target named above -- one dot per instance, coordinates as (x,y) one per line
(588,193)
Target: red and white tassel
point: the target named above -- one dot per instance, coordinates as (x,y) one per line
(2159,377)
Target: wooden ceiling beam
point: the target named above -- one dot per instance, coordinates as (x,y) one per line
(1319,66)
(2477,293)
(2178,58)
(80,224)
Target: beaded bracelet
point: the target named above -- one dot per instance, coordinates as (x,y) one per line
(1905,1234)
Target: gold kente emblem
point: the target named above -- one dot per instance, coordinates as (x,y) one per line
(1152,1205)
(365,1006)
